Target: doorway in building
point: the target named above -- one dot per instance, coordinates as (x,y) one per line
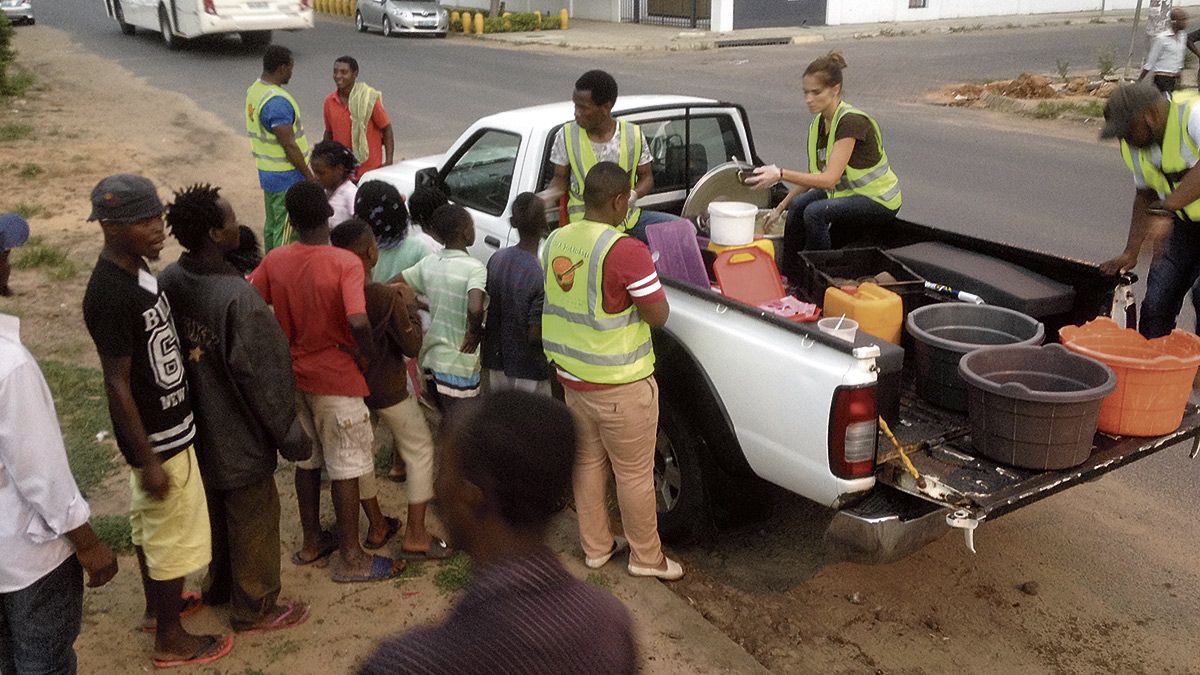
(681,13)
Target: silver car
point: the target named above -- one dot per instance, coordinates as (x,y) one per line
(402,16)
(18,11)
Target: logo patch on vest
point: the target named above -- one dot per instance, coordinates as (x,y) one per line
(564,272)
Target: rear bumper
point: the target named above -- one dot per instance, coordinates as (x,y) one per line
(252,22)
(888,525)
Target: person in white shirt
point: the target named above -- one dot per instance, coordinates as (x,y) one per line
(333,165)
(44,532)
(1165,58)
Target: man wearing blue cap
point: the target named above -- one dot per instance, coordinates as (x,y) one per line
(14,231)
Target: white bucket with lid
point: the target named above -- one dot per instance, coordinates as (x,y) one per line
(731,223)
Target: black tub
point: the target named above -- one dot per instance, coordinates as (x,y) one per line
(943,332)
(1035,407)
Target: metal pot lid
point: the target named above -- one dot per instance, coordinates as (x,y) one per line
(722,184)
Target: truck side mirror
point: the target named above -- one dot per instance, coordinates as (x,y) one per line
(427,177)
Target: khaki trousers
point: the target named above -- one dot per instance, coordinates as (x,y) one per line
(412,437)
(617,431)
(245,541)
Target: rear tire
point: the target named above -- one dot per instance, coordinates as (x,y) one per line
(680,464)
(119,14)
(164,29)
(255,38)
(359,23)
(387,27)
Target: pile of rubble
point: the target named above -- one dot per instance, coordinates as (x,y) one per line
(1031,87)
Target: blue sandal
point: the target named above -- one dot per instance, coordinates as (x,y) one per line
(382,569)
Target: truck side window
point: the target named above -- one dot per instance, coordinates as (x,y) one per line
(481,176)
(681,155)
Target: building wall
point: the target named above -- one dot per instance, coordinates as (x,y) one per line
(874,11)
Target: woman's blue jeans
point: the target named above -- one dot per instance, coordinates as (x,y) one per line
(810,217)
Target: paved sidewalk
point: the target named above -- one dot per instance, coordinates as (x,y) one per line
(604,35)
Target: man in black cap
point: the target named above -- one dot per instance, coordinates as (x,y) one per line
(129,319)
(1160,141)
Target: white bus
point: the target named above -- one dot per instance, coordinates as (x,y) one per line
(180,20)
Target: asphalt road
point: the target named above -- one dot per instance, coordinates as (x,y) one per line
(1042,185)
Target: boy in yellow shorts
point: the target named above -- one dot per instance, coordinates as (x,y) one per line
(129,319)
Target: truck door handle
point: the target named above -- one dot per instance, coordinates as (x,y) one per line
(492,241)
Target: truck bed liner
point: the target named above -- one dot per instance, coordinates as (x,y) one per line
(954,476)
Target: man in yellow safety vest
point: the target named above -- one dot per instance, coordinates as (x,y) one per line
(277,141)
(596,136)
(602,296)
(1161,146)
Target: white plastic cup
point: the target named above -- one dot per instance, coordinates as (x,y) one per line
(839,327)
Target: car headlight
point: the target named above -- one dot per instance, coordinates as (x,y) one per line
(406,15)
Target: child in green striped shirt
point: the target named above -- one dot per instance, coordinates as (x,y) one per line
(453,283)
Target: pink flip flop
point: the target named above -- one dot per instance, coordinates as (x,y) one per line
(215,648)
(295,614)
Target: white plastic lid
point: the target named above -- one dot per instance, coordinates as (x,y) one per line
(732,209)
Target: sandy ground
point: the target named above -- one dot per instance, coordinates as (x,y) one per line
(1115,568)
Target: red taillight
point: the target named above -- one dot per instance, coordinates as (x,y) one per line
(210,8)
(853,432)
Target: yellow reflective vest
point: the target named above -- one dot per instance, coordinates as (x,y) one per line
(878,182)
(268,152)
(578,336)
(581,157)
(1179,154)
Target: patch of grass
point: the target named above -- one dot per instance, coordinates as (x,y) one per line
(599,581)
(36,253)
(27,210)
(1106,62)
(1063,67)
(1048,110)
(17,82)
(30,170)
(82,412)
(15,131)
(277,649)
(114,531)
(454,574)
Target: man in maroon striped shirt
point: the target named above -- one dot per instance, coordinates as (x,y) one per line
(505,463)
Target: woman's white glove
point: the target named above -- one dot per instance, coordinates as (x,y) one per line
(764,177)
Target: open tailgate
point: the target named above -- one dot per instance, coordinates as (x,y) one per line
(979,488)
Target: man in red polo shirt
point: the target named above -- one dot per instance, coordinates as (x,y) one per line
(354,117)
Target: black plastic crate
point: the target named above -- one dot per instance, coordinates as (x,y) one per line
(822,267)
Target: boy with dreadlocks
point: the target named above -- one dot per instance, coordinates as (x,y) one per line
(239,369)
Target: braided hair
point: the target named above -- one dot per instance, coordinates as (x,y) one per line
(335,154)
(381,205)
(193,213)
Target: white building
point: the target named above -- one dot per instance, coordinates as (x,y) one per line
(725,15)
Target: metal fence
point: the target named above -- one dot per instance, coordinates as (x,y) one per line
(681,13)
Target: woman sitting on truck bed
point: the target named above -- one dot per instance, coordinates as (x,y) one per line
(848,180)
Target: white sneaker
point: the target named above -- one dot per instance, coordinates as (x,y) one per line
(619,544)
(673,572)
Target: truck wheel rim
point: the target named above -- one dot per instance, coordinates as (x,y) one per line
(668,479)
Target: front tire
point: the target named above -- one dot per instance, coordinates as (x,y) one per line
(256,38)
(119,14)
(387,27)
(359,23)
(169,38)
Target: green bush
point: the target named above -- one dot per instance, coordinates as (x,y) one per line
(551,22)
(7,55)
(114,531)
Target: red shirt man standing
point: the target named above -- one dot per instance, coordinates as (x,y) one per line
(354,117)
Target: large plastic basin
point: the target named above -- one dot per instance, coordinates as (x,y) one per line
(1154,377)
(943,333)
(1035,407)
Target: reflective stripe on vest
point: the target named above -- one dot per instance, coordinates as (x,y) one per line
(268,152)
(878,182)
(1179,154)
(581,157)
(578,336)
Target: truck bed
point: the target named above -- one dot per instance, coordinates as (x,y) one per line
(954,476)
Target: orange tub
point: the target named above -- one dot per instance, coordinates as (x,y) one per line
(1154,377)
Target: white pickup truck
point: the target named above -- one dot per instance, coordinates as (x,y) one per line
(747,396)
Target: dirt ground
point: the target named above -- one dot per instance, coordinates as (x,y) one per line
(1114,569)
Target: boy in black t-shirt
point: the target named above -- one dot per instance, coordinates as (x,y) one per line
(130,322)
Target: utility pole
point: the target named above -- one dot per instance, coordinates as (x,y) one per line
(1137,15)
